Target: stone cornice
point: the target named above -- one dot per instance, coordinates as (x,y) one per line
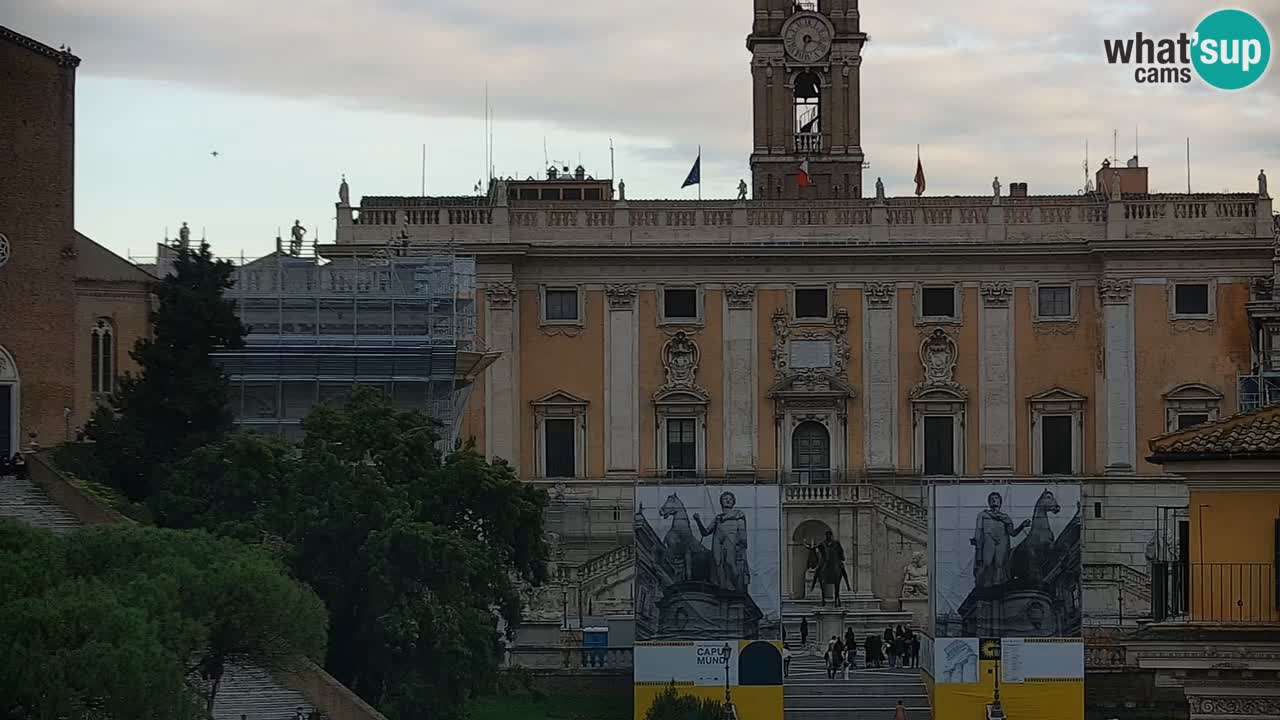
(64,57)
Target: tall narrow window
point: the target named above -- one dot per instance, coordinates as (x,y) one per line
(682,447)
(811,453)
(561,453)
(101,358)
(939,445)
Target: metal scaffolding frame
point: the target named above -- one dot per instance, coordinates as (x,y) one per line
(394,318)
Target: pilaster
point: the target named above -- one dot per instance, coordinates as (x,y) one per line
(1118,374)
(621,377)
(502,410)
(995,380)
(740,378)
(880,368)
(864,552)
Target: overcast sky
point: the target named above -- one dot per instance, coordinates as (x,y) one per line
(294,94)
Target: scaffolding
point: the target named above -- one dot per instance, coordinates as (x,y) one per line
(399,318)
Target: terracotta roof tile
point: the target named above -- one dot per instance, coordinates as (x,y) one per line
(1256,432)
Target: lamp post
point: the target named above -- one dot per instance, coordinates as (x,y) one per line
(730,713)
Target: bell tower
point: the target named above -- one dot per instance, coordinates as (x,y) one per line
(806,56)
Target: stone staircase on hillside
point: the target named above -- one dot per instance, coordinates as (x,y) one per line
(21,499)
(867,694)
(248,692)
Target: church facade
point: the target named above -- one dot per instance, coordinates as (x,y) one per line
(851,347)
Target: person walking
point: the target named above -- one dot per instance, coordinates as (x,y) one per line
(786,662)
(804,632)
(850,658)
(837,658)
(900,712)
(888,646)
(849,638)
(828,657)
(915,650)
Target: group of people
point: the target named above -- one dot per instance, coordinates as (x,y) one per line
(16,465)
(898,648)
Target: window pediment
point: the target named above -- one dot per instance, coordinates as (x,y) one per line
(560,402)
(1193,392)
(1057,399)
(942,392)
(684,397)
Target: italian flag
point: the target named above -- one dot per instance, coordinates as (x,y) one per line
(802,178)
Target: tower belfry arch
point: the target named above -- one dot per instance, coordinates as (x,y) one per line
(806,61)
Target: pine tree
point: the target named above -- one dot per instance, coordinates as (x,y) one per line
(178,402)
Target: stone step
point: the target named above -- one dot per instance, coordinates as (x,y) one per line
(23,500)
(879,713)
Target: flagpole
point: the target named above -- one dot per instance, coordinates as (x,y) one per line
(699,173)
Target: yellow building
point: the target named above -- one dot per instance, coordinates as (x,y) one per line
(1217,634)
(851,346)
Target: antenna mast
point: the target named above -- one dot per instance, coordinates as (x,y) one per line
(612,174)
(1188,165)
(424,169)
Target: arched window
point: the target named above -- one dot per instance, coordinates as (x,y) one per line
(811,453)
(102,355)
(808,111)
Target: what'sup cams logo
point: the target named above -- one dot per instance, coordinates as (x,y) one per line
(1229,50)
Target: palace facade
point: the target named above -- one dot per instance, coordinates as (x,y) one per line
(852,347)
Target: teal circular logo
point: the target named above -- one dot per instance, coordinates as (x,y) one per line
(1232,49)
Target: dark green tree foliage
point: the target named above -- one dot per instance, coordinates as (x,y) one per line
(179,401)
(671,705)
(409,550)
(126,622)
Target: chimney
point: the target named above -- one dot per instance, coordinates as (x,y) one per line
(1017,190)
(1133,178)
(579,173)
(552,172)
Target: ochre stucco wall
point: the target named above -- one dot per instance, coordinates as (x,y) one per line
(1170,354)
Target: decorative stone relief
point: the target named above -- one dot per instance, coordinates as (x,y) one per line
(1115,291)
(1186,327)
(996,294)
(880,294)
(1232,705)
(740,296)
(1054,328)
(560,330)
(784,336)
(680,357)
(501,295)
(621,297)
(938,353)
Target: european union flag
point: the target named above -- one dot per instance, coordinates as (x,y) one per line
(695,175)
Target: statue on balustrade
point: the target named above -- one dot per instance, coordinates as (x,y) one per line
(295,238)
(742,189)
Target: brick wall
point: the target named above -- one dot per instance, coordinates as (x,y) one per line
(37,286)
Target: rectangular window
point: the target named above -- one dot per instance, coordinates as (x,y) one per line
(562,305)
(680,304)
(1191,299)
(560,447)
(1055,302)
(938,302)
(811,303)
(939,445)
(682,447)
(1097,509)
(1190,420)
(1055,445)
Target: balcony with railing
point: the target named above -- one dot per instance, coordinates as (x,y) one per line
(1215,593)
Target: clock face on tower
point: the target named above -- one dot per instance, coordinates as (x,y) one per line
(807,37)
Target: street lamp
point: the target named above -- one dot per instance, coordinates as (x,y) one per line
(730,713)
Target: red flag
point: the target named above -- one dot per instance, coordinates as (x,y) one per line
(802,179)
(919,174)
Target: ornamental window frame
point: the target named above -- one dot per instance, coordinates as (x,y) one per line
(1191,399)
(1056,402)
(699,305)
(1211,289)
(560,405)
(1073,301)
(102,358)
(939,402)
(957,306)
(580,311)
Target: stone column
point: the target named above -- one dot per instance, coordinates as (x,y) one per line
(1118,373)
(880,370)
(621,381)
(995,382)
(864,553)
(502,411)
(739,379)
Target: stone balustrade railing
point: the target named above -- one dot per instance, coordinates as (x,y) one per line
(955,219)
(859,493)
(579,658)
(617,557)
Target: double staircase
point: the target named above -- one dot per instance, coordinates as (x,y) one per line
(246,692)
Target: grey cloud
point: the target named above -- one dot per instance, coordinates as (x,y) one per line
(987,84)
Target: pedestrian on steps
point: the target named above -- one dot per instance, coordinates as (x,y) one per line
(850,656)
(804,632)
(900,712)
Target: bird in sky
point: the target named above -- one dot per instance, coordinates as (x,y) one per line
(214,153)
